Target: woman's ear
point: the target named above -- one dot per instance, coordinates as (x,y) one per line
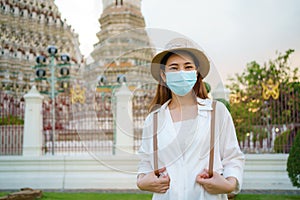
(163,75)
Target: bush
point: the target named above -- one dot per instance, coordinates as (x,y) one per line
(11,120)
(281,142)
(293,164)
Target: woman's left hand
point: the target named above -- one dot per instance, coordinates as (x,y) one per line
(217,184)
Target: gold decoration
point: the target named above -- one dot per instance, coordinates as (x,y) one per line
(77,95)
(270,89)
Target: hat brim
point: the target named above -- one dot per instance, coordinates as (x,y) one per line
(203,61)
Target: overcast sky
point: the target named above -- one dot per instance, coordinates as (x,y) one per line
(231,32)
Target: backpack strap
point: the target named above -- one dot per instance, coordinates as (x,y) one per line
(155,153)
(212,140)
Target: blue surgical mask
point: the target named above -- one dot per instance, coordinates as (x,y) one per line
(181,82)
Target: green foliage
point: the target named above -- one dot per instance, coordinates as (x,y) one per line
(296,86)
(281,142)
(11,120)
(250,110)
(98,196)
(293,164)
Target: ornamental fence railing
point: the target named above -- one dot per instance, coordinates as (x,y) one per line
(268,127)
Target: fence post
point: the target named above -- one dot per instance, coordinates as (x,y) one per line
(33,123)
(124,137)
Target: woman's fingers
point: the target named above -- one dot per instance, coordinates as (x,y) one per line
(161,170)
(157,184)
(163,188)
(164,180)
(203,175)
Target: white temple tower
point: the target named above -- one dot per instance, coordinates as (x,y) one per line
(123,47)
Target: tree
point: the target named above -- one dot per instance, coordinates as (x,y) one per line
(250,111)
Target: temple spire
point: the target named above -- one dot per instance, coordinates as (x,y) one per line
(114,3)
(119,2)
(122,34)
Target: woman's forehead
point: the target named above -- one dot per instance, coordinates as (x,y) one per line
(182,56)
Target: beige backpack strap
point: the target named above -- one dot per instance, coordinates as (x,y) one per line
(155,153)
(212,140)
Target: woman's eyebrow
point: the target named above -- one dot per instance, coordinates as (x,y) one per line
(188,63)
(173,64)
(176,64)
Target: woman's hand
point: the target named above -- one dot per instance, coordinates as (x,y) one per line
(150,182)
(217,184)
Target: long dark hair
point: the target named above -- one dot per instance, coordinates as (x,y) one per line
(163,93)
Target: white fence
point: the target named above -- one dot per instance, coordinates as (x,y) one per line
(262,172)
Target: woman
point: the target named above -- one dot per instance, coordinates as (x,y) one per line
(183,132)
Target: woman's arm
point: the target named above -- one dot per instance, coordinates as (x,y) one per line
(233,159)
(146,179)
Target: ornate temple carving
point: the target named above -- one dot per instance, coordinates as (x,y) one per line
(27,28)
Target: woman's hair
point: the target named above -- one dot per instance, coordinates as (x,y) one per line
(163,93)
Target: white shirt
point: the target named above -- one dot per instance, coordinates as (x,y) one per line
(185,131)
(184,166)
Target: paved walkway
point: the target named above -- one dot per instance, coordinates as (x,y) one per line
(281,192)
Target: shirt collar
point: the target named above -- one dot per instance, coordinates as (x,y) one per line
(203,104)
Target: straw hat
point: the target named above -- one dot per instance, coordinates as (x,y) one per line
(184,45)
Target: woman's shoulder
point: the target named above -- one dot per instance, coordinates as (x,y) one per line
(207,104)
(149,117)
(221,109)
(160,110)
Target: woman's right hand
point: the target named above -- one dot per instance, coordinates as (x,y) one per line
(150,182)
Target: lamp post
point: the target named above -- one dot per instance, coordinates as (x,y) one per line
(64,75)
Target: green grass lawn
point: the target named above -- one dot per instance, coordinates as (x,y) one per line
(113,196)
(95,196)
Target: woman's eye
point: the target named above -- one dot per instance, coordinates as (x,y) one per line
(173,68)
(189,67)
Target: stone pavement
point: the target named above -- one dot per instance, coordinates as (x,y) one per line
(280,192)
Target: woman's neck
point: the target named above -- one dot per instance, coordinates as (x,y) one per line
(179,102)
(183,108)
